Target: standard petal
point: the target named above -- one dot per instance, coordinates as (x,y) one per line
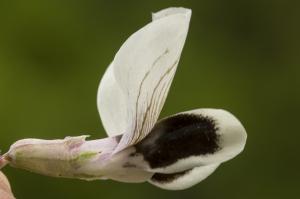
(144,68)
(190,139)
(112,104)
(182,180)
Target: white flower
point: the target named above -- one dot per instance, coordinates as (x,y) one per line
(174,153)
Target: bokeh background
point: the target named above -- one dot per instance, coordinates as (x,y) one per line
(242,56)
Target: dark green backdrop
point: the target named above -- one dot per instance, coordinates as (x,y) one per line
(242,56)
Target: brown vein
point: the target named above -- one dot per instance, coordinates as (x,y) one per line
(151,101)
(135,133)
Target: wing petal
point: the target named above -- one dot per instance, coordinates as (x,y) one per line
(190,139)
(144,68)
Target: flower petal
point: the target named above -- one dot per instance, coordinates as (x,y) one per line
(112,104)
(5,190)
(182,180)
(144,68)
(190,139)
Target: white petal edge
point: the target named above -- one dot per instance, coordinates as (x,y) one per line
(189,179)
(112,104)
(170,11)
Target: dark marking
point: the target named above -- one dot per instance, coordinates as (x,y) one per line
(159,58)
(178,137)
(134,154)
(168,178)
(118,138)
(129,165)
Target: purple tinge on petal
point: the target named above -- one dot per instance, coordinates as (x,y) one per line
(5,190)
(3,161)
(72,157)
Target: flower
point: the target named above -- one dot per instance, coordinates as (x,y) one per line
(174,153)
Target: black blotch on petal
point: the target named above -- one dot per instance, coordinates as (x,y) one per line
(129,165)
(178,137)
(168,178)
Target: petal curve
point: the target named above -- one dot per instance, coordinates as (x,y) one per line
(183,180)
(112,104)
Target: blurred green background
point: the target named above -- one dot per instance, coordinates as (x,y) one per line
(242,56)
